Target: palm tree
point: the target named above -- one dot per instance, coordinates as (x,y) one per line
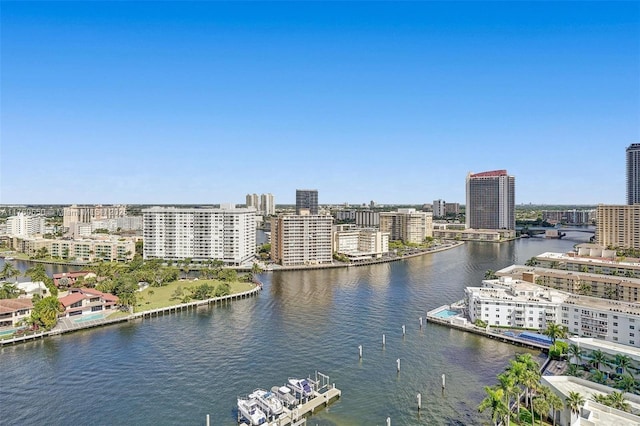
(626,383)
(8,291)
(618,402)
(598,376)
(556,404)
(555,331)
(490,275)
(574,402)
(573,371)
(598,357)
(495,402)
(517,370)
(531,381)
(601,398)
(575,352)
(623,362)
(507,383)
(9,271)
(541,405)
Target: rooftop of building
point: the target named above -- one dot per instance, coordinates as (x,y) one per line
(12,305)
(561,273)
(605,346)
(491,173)
(602,415)
(514,290)
(628,262)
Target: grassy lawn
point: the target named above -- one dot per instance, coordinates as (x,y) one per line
(160,297)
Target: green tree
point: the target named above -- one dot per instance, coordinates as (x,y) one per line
(202,291)
(626,383)
(598,376)
(223,289)
(8,291)
(575,354)
(574,402)
(38,273)
(618,401)
(45,312)
(541,406)
(556,404)
(573,370)
(598,358)
(490,275)
(622,363)
(9,271)
(494,401)
(507,383)
(555,331)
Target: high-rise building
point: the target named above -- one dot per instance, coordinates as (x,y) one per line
(633,173)
(227,233)
(301,239)
(439,208)
(618,226)
(267,204)
(307,199)
(23,225)
(253,201)
(490,200)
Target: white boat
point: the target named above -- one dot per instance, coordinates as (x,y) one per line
(283,393)
(301,387)
(267,402)
(249,409)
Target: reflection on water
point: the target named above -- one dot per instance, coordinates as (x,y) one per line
(178,368)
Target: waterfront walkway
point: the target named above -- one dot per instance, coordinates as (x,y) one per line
(68,325)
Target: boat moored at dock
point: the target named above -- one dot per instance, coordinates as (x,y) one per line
(249,410)
(268,402)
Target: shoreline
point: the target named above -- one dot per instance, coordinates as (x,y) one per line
(65,327)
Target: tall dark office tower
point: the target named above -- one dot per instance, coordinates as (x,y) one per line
(491,200)
(633,174)
(307,199)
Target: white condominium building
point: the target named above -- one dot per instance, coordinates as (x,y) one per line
(407,225)
(226,233)
(519,304)
(301,239)
(23,225)
(361,243)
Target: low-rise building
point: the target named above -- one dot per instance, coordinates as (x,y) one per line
(14,311)
(68,279)
(85,301)
(454,231)
(108,249)
(591,413)
(590,259)
(28,289)
(360,243)
(507,302)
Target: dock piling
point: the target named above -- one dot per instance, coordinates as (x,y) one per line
(403,330)
(419,402)
(398,362)
(443,383)
(420,322)
(360,350)
(383,341)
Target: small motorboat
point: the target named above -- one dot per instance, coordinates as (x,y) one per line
(301,387)
(268,402)
(249,409)
(283,393)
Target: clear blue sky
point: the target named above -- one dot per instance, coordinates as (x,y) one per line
(204,102)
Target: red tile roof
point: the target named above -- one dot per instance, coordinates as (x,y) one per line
(492,173)
(12,305)
(70,299)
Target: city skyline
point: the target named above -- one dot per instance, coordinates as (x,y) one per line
(202,103)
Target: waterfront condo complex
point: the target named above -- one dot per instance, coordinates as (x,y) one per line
(226,233)
(633,173)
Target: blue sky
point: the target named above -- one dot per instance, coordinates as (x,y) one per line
(204,102)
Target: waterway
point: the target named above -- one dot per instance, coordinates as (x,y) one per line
(179,368)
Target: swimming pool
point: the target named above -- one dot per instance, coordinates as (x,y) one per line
(91,317)
(446,314)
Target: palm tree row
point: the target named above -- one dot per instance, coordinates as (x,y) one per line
(522,375)
(622,378)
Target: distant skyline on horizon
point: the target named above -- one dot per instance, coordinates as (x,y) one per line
(205,102)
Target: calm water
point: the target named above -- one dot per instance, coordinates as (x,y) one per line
(176,369)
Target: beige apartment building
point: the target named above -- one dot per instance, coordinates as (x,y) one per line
(298,240)
(85,214)
(618,226)
(360,243)
(89,250)
(407,225)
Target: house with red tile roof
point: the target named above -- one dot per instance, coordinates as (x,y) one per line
(68,279)
(84,301)
(13,311)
